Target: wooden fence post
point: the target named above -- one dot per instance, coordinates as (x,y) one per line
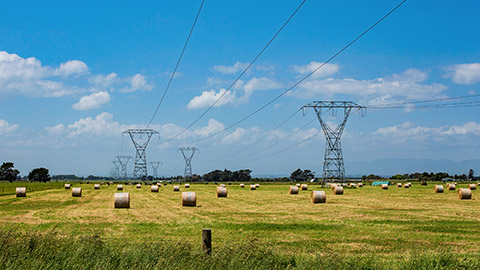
(207,240)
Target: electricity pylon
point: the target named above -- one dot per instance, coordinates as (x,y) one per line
(115,169)
(140,139)
(155,165)
(123,161)
(188,153)
(333,167)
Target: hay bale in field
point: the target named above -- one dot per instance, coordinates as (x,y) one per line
(333,186)
(222,185)
(67,186)
(464,194)
(96,186)
(189,199)
(119,187)
(424,183)
(76,192)
(122,200)
(360,184)
(242,185)
(472,187)
(451,186)
(154,188)
(406,185)
(253,187)
(293,190)
(221,192)
(139,186)
(338,190)
(297,185)
(438,189)
(187,185)
(21,192)
(384,186)
(176,188)
(257,185)
(318,196)
(400,184)
(304,187)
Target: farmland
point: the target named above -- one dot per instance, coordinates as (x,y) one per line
(392,226)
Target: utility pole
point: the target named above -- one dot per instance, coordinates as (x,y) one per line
(333,167)
(188,153)
(123,161)
(155,165)
(140,139)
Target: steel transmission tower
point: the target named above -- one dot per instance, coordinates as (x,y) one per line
(123,161)
(333,167)
(115,169)
(140,139)
(155,165)
(188,153)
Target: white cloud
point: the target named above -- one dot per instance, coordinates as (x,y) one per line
(102,125)
(261,83)
(464,73)
(238,66)
(212,127)
(56,130)
(137,82)
(92,101)
(5,127)
(207,98)
(398,87)
(72,67)
(326,71)
(104,81)
(234,136)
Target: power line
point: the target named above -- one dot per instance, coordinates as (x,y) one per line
(176,66)
(301,80)
(421,101)
(243,72)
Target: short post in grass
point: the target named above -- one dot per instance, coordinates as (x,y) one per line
(207,241)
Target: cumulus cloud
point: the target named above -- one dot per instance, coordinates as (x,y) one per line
(6,127)
(92,101)
(408,85)
(56,130)
(137,82)
(326,71)
(212,127)
(238,66)
(104,80)
(207,98)
(464,73)
(72,67)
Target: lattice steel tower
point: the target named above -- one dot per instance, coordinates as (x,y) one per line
(140,139)
(188,153)
(155,165)
(333,167)
(115,169)
(123,161)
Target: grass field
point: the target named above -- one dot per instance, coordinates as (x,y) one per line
(378,227)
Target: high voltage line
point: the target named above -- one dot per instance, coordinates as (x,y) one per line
(176,66)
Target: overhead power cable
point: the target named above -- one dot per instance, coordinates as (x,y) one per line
(381,106)
(241,74)
(176,66)
(303,79)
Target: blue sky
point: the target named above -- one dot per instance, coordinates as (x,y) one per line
(74,75)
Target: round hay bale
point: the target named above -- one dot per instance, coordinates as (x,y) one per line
(154,188)
(257,185)
(253,187)
(338,190)
(67,186)
(96,186)
(119,187)
(221,192)
(187,185)
(304,187)
(438,189)
(451,186)
(333,186)
(298,185)
(176,188)
(222,185)
(293,190)
(424,183)
(472,186)
(360,184)
(76,192)
(242,185)
(189,199)
(318,196)
(406,186)
(400,184)
(21,192)
(409,184)
(464,194)
(122,200)
(384,186)
(139,186)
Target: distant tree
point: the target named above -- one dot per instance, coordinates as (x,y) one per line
(398,177)
(7,172)
(470,174)
(39,174)
(300,175)
(364,177)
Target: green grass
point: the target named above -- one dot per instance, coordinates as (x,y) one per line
(366,228)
